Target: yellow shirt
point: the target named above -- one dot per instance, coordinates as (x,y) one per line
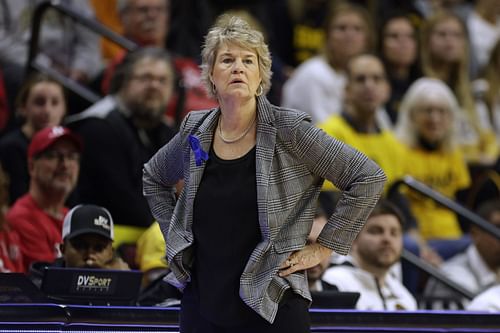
(382,147)
(151,249)
(446,173)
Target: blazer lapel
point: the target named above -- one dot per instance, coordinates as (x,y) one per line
(204,134)
(266,139)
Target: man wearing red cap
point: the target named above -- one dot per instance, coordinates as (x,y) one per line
(53,164)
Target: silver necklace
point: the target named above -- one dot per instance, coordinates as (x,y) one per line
(245,132)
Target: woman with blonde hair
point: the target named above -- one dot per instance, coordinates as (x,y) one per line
(445,56)
(427,125)
(236,235)
(487,92)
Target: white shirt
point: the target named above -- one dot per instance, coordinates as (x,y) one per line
(488,300)
(315,88)
(483,37)
(467,269)
(392,296)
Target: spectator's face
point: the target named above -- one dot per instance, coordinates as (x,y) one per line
(146,22)
(347,36)
(236,72)
(447,41)
(380,242)
(88,250)
(56,170)
(149,89)
(367,88)
(432,118)
(399,42)
(487,245)
(45,106)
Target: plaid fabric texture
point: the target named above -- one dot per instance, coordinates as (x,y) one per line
(292,159)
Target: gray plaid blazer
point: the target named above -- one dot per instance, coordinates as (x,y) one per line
(292,159)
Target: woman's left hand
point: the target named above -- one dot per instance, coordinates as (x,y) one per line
(309,256)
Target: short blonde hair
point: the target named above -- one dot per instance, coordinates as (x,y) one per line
(235,30)
(423,89)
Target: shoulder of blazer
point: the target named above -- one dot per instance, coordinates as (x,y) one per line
(193,120)
(286,118)
(288,122)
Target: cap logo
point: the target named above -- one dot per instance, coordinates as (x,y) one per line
(56,131)
(101,221)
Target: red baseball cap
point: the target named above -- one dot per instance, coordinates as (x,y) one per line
(46,137)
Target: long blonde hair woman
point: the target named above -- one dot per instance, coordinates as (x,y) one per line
(445,56)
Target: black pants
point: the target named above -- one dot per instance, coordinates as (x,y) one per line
(292,317)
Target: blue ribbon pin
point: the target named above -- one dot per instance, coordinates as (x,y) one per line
(199,154)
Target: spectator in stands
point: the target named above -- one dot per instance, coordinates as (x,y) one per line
(64,45)
(87,235)
(488,300)
(375,250)
(445,56)
(398,50)
(427,126)
(366,91)
(37,216)
(476,268)
(152,261)
(40,103)
(120,133)
(106,13)
(483,24)
(11,259)
(317,85)
(487,92)
(146,22)
(151,254)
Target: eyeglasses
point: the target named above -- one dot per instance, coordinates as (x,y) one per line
(53,155)
(149,78)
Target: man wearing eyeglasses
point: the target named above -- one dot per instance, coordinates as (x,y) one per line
(37,216)
(120,133)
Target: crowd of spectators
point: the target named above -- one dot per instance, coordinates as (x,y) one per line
(415,85)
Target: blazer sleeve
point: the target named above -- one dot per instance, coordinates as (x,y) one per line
(160,175)
(360,180)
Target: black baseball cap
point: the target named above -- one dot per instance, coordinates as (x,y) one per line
(88,219)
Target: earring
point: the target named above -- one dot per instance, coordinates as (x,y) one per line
(260,90)
(214,89)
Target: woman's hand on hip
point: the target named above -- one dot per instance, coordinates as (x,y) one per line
(309,256)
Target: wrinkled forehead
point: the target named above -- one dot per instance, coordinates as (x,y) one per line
(233,47)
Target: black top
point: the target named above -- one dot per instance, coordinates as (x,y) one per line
(114,153)
(226,231)
(14,160)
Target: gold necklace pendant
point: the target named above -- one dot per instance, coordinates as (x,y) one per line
(238,138)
